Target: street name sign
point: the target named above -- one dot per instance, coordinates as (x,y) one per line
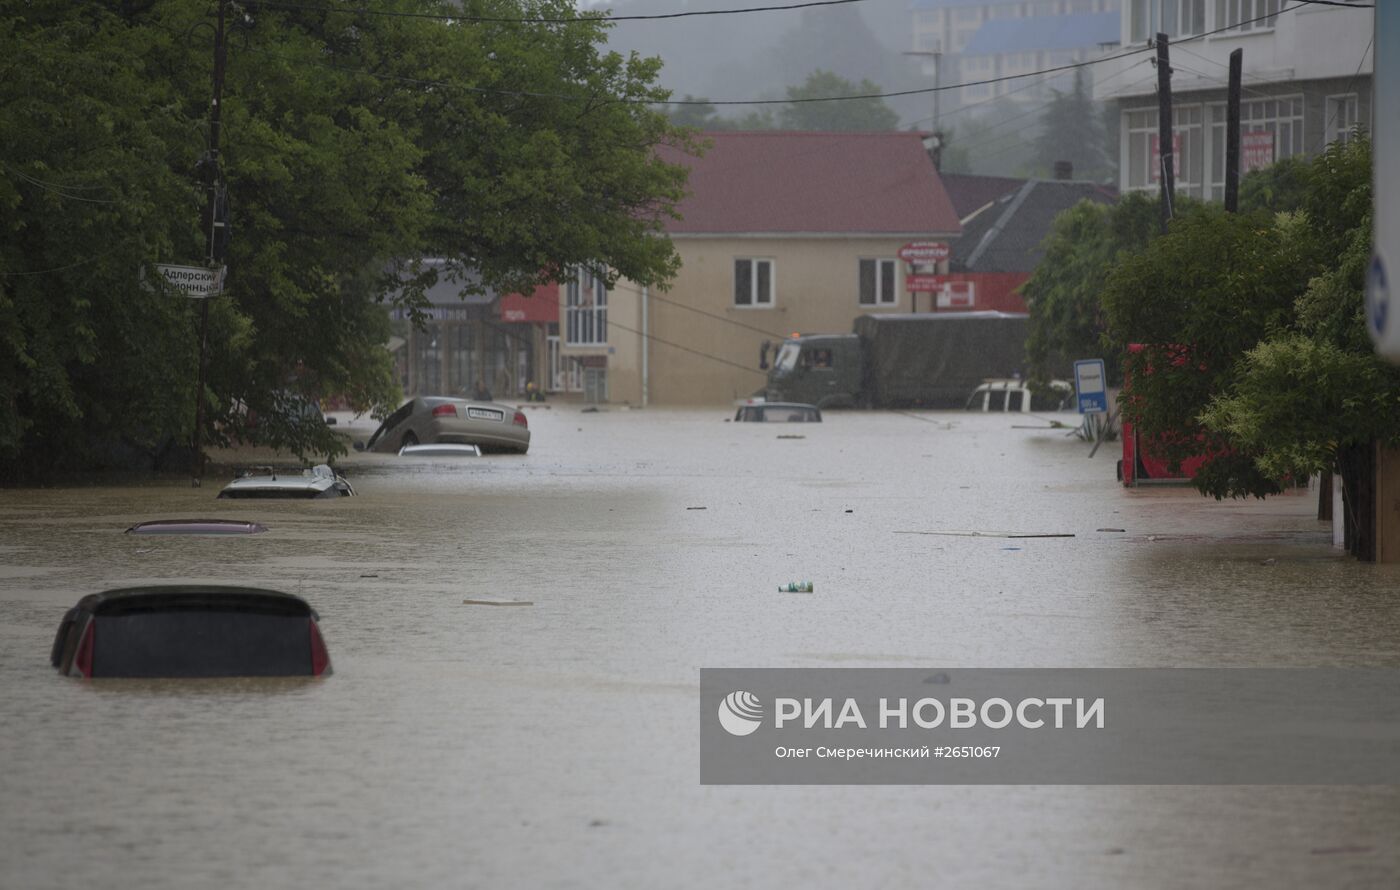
(1089,383)
(193,281)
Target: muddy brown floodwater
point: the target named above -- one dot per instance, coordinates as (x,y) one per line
(556,745)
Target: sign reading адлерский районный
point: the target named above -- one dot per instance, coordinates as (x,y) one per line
(1050,727)
(193,281)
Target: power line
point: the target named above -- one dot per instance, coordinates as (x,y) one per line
(717,102)
(584,17)
(1351,83)
(1000,136)
(1036,109)
(713,358)
(679,305)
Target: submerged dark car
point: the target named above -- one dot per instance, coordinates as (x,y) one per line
(190,631)
(782,412)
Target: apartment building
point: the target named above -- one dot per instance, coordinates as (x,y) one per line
(1307,77)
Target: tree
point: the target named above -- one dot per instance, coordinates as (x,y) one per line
(1196,300)
(1071,129)
(353,143)
(1312,397)
(1063,294)
(850,114)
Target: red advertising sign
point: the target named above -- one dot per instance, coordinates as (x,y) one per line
(539,307)
(924,252)
(1155,159)
(957,295)
(922,283)
(1256,150)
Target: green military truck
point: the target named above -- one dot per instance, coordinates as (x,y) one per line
(925,360)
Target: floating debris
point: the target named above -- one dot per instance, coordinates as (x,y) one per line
(490,602)
(952,534)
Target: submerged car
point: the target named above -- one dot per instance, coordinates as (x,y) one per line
(320,481)
(782,412)
(440,449)
(441,420)
(1016,395)
(190,631)
(197,527)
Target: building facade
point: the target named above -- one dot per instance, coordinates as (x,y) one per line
(783,232)
(499,341)
(1307,73)
(984,41)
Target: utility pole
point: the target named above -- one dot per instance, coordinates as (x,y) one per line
(214,244)
(1232,143)
(936,150)
(1166,158)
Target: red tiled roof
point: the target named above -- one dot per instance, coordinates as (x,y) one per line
(827,183)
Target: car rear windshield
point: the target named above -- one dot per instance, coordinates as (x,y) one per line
(201,642)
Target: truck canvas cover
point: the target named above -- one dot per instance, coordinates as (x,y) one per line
(933,360)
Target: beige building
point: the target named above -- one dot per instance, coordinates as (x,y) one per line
(783,232)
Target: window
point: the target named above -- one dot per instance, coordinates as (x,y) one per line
(1143,155)
(1175,18)
(586,309)
(1240,15)
(753,282)
(1341,117)
(877,283)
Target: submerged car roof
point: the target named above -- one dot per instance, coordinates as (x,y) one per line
(308,482)
(197,527)
(155,598)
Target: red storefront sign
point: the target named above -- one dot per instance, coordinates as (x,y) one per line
(540,307)
(1256,150)
(924,252)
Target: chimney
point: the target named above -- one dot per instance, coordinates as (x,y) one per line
(1064,170)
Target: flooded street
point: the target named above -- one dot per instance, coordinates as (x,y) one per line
(556,745)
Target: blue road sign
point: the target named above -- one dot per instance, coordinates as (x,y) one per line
(1090,383)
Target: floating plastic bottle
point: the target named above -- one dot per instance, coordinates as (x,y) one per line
(796,587)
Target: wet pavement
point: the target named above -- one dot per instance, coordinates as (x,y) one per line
(556,745)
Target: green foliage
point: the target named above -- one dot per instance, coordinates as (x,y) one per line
(1279,187)
(1315,388)
(1196,300)
(350,141)
(1255,344)
(1072,129)
(858,114)
(1063,294)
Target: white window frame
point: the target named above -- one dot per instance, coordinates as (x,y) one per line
(1175,18)
(880,298)
(1339,126)
(1233,14)
(754,296)
(586,309)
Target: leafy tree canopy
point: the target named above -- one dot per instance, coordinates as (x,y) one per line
(1313,389)
(1063,294)
(352,142)
(852,114)
(1072,129)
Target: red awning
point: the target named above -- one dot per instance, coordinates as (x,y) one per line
(541,306)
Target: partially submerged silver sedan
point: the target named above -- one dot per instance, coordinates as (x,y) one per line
(441,420)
